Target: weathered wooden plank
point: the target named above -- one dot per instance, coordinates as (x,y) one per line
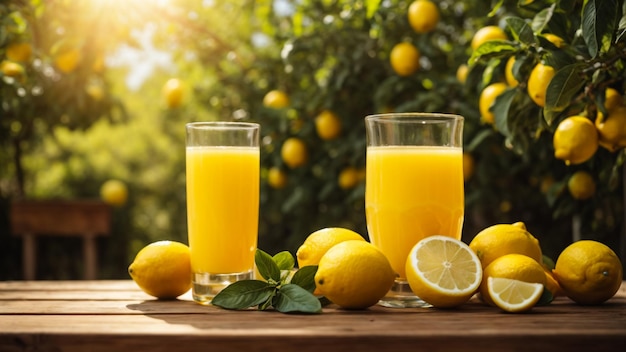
(72,285)
(262,331)
(181,343)
(94,316)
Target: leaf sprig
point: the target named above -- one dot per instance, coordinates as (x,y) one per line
(281,290)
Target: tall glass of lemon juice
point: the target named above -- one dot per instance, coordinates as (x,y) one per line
(222,171)
(413,187)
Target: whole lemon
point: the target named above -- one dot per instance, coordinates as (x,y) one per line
(581,185)
(68,61)
(553,285)
(612,99)
(512,266)
(354,274)
(487,98)
(589,272)
(320,241)
(327,125)
(276,178)
(486,34)
(508,72)
(404,59)
(173,93)
(348,178)
(498,240)
(575,140)
(276,99)
(555,39)
(162,269)
(114,192)
(538,82)
(294,152)
(11,69)
(19,52)
(423,16)
(461,73)
(612,129)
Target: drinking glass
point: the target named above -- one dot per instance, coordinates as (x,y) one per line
(413,187)
(222,170)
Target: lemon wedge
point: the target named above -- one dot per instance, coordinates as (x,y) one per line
(514,295)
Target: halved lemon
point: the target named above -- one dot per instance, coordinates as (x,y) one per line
(514,295)
(443,271)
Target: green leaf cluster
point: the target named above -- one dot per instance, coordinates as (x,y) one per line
(591,59)
(281,289)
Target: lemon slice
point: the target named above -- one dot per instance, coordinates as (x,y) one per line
(443,271)
(514,295)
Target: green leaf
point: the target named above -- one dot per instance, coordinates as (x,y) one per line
(478,139)
(541,19)
(546,298)
(284,260)
(293,298)
(501,107)
(266,266)
(372,7)
(566,83)
(305,277)
(492,49)
(599,19)
(495,8)
(268,303)
(520,30)
(244,294)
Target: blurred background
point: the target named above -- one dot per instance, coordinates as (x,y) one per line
(94,96)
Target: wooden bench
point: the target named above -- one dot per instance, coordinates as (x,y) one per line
(82,218)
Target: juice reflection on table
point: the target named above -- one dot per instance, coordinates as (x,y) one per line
(412,192)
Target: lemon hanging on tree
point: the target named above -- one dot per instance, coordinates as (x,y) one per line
(294,152)
(612,129)
(423,16)
(67,61)
(508,72)
(581,185)
(114,192)
(486,34)
(173,93)
(276,178)
(404,59)
(348,177)
(19,52)
(486,100)
(575,140)
(276,99)
(327,125)
(538,82)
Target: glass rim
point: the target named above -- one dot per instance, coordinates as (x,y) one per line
(414,116)
(223,125)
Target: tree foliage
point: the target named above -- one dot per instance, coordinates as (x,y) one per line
(60,135)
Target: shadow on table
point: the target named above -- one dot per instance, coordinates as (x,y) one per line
(185,312)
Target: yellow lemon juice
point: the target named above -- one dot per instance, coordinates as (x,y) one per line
(223,208)
(412,192)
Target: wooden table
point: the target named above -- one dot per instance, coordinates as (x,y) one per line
(116,316)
